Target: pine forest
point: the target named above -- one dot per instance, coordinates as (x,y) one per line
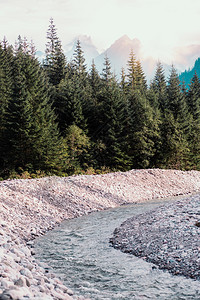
(59,118)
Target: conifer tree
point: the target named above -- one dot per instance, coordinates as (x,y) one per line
(111,130)
(144,131)
(131,76)
(31,136)
(93,100)
(159,86)
(6,81)
(72,95)
(69,104)
(79,61)
(55,62)
(140,80)
(193,100)
(107,74)
(176,102)
(176,124)
(193,97)
(123,82)
(95,81)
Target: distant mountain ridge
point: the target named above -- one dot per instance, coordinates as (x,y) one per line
(118,54)
(187,75)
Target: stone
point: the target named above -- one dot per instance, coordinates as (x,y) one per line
(21,281)
(70,292)
(60,296)
(27,273)
(16,294)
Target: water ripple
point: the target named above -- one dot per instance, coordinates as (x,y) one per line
(79,252)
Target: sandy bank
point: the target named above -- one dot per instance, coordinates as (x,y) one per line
(31,207)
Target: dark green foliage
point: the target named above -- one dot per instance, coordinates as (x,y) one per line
(176,125)
(187,75)
(110,131)
(176,102)
(175,148)
(144,132)
(107,74)
(30,137)
(55,62)
(159,87)
(69,106)
(193,97)
(131,76)
(79,61)
(123,82)
(72,94)
(140,79)
(94,101)
(58,118)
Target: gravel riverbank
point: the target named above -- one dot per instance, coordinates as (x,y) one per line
(169,237)
(31,207)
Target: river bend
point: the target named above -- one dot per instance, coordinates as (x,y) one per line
(78,251)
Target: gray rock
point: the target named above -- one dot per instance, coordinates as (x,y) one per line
(27,273)
(21,281)
(16,294)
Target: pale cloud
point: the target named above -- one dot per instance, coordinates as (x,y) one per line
(160,25)
(186,56)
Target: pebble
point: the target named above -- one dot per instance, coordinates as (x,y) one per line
(165,237)
(31,207)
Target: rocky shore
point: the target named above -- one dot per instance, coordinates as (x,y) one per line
(31,207)
(168,237)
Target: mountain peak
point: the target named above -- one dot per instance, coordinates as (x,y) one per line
(124,37)
(125,41)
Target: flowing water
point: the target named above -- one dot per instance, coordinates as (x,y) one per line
(80,254)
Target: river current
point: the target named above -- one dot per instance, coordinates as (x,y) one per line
(79,253)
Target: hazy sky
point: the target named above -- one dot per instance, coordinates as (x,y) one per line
(160,25)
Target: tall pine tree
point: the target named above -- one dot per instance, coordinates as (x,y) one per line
(31,137)
(55,62)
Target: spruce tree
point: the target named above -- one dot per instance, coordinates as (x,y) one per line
(93,101)
(69,104)
(159,86)
(176,101)
(131,76)
(140,80)
(193,97)
(107,74)
(112,121)
(31,135)
(193,100)
(176,124)
(6,81)
(143,131)
(123,82)
(55,61)
(79,61)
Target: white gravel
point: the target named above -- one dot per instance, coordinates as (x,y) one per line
(31,207)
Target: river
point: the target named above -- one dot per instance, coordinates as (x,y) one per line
(79,253)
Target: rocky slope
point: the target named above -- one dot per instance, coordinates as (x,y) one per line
(28,208)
